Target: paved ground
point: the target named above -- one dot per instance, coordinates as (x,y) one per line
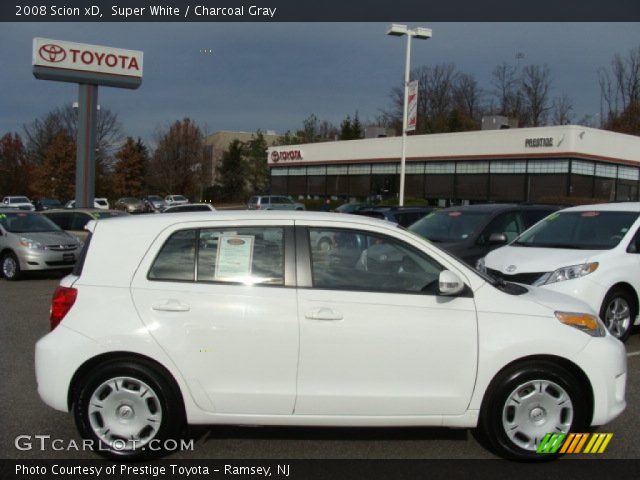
(24,308)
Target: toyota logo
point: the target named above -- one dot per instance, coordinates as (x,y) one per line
(52,53)
(511,268)
(275,156)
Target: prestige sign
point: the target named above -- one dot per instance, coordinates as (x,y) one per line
(86,58)
(538,142)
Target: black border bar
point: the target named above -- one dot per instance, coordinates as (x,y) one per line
(404,11)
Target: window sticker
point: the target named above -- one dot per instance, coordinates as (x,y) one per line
(234,257)
(455,214)
(552,217)
(590,214)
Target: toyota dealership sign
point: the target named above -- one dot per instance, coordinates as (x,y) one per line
(88,58)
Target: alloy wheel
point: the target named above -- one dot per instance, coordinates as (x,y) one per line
(617,317)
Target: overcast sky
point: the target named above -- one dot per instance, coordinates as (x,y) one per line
(271,76)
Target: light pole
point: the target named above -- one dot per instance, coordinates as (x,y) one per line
(423,34)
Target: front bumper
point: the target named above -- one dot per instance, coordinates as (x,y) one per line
(604,361)
(34,259)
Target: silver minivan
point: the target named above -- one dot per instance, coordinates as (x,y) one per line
(29,241)
(273,202)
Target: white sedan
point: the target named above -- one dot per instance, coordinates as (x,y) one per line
(236,318)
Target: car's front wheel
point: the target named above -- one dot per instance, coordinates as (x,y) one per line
(618,311)
(128,410)
(526,402)
(10,266)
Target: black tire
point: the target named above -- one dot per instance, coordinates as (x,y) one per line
(171,423)
(495,410)
(620,295)
(4,271)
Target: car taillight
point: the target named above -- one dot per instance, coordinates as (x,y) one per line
(62,301)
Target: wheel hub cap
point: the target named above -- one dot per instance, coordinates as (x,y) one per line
(618,317)
(125,412)
(534,409)
(8,267)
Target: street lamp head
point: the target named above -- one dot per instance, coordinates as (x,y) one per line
(422,33)
(397,30)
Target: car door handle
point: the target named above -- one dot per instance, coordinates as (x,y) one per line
(323,314)
(171,306)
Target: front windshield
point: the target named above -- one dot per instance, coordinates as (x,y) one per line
(449,225)
(26,223)
(179,197)
(584,230)
(19,200)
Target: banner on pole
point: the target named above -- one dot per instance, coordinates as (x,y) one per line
(412,105)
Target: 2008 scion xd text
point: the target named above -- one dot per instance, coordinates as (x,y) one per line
(193,319)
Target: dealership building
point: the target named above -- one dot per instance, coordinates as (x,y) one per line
(568,164)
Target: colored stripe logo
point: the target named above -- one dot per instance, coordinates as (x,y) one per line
(574,443)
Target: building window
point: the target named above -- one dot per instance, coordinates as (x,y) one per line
(360,169)
(472,167)
(508,166)
(606,171)
(337,169)
(297,171)
(279,172)
(548,166)
(384,168)
(440,168)
(317,170)
(414,168)
(628,173)
(581,167)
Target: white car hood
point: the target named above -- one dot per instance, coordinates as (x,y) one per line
(531,259)
(557,301)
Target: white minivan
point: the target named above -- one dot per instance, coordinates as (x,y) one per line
(237,318)
(591,252)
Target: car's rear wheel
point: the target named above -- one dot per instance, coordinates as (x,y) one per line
(10,266)
(526,402)
(618,312)
(128,411)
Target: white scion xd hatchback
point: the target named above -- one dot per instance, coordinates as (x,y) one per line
(183,319)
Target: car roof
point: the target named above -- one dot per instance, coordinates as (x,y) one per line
(496,207)
(82,210)
(608,207)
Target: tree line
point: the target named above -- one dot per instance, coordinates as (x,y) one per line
(40,162)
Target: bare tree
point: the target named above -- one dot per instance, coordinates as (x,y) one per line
(620,91)
(467,96)
(535,87)
(506,83)
(562,110)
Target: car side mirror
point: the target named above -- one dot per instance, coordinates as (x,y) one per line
(497,239)
(449,283)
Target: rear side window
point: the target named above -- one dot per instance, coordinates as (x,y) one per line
(176,260)
(63,220)
(531,217)
(77,269)
(247,255)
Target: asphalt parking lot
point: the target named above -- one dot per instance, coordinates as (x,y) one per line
(24,308)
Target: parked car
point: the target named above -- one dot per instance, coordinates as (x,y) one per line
(29,241)
(73,222)
(154,203)
(131,205)
(273,202)
(22,203)
(403,216)
(101,203)
(591,252)
(46,203)
(190,207)
(472,231)
(352,207)
(176,318)
(175,200)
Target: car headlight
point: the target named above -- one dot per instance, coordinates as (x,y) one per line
(584,322)
(25,242)
(568,273)
(480,265)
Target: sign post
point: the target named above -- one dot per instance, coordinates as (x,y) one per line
(88,66)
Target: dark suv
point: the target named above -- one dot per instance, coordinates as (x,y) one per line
(472,231)
(403,216)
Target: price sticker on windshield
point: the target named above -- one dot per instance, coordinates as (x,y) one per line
(590,214)
(455,214)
